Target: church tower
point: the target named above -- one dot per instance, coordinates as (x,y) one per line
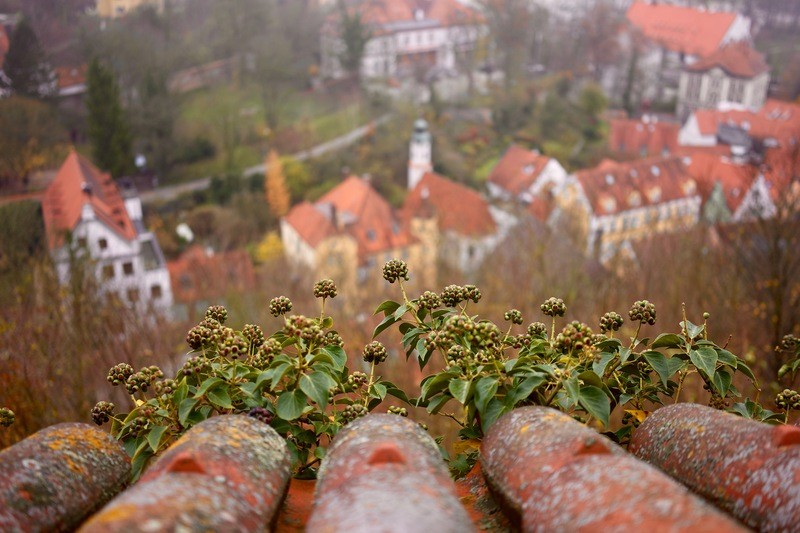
(419,161)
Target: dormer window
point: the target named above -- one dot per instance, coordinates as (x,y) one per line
(371,235)
(608,204)
(609,179)
(655,170)
(634,199)
(528,170)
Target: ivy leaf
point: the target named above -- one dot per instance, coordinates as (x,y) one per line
(572,388)
(379,390)
(692,330)
(154,437)
(494,410)
(523,390)
(705,359)
(599,367)
(624,354)
(437,403)
(385,324)
(184,409)
(398,393)
(387,308)
(435,383)
(220,398)
(181,392)
(460,389)
(316,387)
(207,384)
(595,402)
(668,340)
(291,404)
(664,367)
(485,389)
(722,382)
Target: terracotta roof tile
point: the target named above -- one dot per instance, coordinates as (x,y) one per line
(387,16)
(754,470)
(312,226)
(616,187)
(518,169)
(197,275)
(631,136)
(555,474)
(3,44)
(776,119)
(737,59)
(77,183)
(71,76)
(681,29)
(457,208)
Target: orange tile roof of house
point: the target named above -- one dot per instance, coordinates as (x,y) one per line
(381,14)
(457,208)
(737,59)
(197,275)
(681,29)
(71,76)
(709,169)
(614,188)
(776,119)
(3,44)
(518,169)
(79,182)
(352,208)
(312,226)
(632,136)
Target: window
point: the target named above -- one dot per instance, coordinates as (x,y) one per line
(102,243)
(127,268)
(155,292)
(736,91)
(82,243)
(693,87)
(108,272)
(133,295)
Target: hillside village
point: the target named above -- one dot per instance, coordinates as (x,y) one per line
(412,129)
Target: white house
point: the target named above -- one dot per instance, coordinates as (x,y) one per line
(526,174)
(84,212)
(734,76)
(408,37)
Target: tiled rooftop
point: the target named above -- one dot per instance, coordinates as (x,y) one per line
(776,120)
(689,468)
(737,59)
(518,169)
(643,137)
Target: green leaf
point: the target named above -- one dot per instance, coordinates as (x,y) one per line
(727,358)
(400,311)
(595,402)
(379,390)
(668,340)
(744,369)
(154,437)
(692,330)
(608,343)
(180,393)
(291,404)
(140,459)
(624,354)
(385,324)
(523,390)
(599,367)
(387,308)
(705,359)
(220,398)
(460,389)
(184,409)
(437,403)
(411,336)
(485,389)
(207,384)
(493,411)
(722,382)
(435,383)
(664,367)
(316,387)
(572,388)
(327,322)
(398,393)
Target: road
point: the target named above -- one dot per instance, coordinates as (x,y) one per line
(170,192)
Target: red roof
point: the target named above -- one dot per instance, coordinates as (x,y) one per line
(613,188)
(518,169)
(353,208)
(71,76)
(381,14)
(636,136)
(737,59)
(312,226)
(197,275)
(3,44)
(709,169)
(458,208)
(681,29)
(776,119)
(79,182)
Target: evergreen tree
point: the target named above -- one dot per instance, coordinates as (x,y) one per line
(355,35)
(275,186)
(26,70)
(109,133)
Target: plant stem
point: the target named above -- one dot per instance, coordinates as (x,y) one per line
(636,336)
(552,396)
(322,312)
(369,384)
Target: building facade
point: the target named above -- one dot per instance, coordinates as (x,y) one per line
(85,213)
(120,8)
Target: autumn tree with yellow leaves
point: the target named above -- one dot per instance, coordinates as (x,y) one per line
(275,185)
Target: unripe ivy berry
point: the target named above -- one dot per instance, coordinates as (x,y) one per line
(554,307)
(514,316)
(611,321)
(429,300)
(119,373)
(325,288)
(790,343)
(280,306)
(253,334)
(402,411)
(102,412)
(351,412)
(395,269)
(471,292)
(452,295)
(7,417)
(574,337)
(537,329)
(374,352)
(218,313)
(643,311)
(333,339)
(357,380)
(167,387)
